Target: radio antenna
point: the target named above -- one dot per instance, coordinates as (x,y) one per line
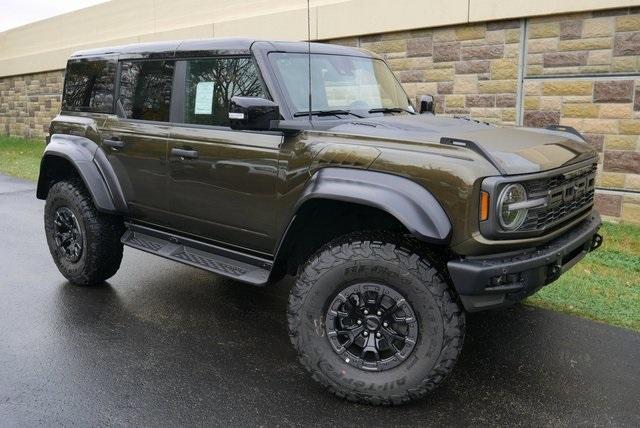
(309,52)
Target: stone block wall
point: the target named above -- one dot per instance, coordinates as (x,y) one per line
(29,102)
(581,70)
(588,43)
(471,70)
(604,110)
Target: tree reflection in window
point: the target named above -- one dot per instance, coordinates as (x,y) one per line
(145,89)
(89,86)
(230,77)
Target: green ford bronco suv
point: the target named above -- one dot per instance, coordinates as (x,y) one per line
(255,159)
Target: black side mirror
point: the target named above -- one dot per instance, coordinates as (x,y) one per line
(252,113)
(426,104)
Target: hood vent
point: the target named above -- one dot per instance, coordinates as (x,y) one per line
(471,145)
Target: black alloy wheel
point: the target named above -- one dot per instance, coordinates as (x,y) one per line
(67,234)
(371,326)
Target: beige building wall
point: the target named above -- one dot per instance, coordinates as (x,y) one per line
(45,45)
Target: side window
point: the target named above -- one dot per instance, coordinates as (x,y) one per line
(89,86)
(210,84)
(145,89)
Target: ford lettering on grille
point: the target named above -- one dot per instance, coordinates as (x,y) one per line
(569,195)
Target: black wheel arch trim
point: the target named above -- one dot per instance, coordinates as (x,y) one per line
(409,202)
(91,165)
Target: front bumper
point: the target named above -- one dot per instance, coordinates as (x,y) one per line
(487,282)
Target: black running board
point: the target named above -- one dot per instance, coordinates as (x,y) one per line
(229,263)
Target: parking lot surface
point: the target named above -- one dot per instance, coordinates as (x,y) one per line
(164,344)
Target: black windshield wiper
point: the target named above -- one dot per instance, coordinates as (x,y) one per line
(391,110)
(325,113)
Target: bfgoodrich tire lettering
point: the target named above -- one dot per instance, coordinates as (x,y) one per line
(413,273)
(101,252)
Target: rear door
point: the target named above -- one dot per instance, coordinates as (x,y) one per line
(222,183)
(135,140)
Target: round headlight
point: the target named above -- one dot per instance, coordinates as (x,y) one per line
(511,218)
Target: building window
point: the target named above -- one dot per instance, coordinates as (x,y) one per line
(211,83)
(89,86)
(145,89)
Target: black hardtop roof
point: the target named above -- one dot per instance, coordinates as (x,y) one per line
(210,47)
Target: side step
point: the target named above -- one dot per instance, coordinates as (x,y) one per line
(229,263)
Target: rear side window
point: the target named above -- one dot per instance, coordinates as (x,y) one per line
(89,86)
(210,84)
(145,89)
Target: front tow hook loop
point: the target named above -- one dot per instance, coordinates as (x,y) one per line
(596,242)
(553,273)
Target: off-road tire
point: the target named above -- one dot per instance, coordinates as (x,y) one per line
(410,270)
(101,250)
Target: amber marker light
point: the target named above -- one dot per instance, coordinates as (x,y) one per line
(484,206)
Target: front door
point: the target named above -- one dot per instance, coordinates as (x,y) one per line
(136,142)
(222,183)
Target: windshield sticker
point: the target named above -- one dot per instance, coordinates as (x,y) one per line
(204,98)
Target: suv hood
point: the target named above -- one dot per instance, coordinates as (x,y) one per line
(511,150)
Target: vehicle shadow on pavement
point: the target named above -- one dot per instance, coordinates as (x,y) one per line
(191,339)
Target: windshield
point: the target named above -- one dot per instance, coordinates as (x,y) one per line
(339,83)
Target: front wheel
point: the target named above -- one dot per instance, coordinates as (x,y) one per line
(374,321)
(84,243)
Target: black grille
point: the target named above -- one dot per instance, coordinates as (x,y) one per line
(535,188)
(567,195)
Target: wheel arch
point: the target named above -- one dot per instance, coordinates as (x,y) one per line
(343,200)
(69,156)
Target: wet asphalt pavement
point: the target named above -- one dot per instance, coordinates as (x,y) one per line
(162,344)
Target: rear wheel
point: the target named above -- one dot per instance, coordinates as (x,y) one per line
(84,243)
(374,320)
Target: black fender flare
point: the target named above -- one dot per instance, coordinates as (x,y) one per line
(409,202)
(91,165)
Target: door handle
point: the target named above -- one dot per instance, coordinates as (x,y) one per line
(113,142)
(185,154)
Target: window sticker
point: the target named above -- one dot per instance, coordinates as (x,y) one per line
(204,98)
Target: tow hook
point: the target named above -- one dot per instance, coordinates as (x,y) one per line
(596,242)
(553,273)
